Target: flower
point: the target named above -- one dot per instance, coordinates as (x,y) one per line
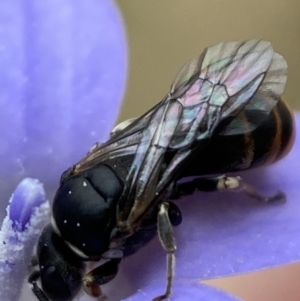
(63,65)
(62,77)
(27,214)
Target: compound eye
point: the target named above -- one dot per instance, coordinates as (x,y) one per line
(54,285)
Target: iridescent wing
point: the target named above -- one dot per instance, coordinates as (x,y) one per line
(122,143)
(212,87)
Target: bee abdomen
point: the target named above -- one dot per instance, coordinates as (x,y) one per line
(275,138)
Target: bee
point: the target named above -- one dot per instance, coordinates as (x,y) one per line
(224,113)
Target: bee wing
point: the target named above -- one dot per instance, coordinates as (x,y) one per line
(216,85)
(241,70)
(123,142)
(260,105)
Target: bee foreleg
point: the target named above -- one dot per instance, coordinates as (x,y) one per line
(167,239)
(33,278)
(98,276)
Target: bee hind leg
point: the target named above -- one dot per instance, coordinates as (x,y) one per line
(223,182)
(238,184)
(167,239)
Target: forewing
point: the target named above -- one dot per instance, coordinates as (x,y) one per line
(216,85)
(252,78)
(146,167)
(266,97)
(123,143)
(231,73)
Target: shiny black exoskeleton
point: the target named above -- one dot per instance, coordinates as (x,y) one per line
(224,113)
(82,222)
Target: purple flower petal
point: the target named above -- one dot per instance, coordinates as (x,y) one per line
(182,291)
(28,195)
(63,69)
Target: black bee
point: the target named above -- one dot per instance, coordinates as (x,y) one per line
(224,113)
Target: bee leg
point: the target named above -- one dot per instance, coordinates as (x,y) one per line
(238,184)
(167,239)
(224,183)
(33,278)
(201,184)
(98,276)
